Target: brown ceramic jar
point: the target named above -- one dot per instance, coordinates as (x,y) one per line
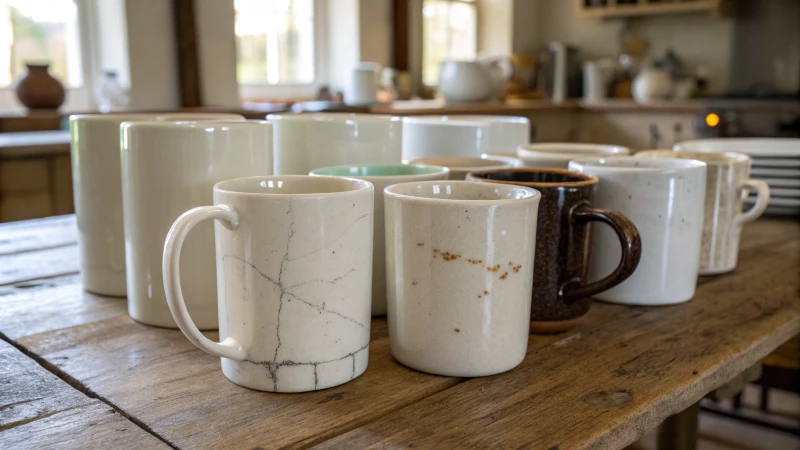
(39,90)
(561,294)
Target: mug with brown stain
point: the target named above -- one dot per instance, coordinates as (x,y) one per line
(561,293)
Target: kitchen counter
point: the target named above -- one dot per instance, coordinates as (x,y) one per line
(515,107)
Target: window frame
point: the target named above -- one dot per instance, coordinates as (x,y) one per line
(77,98)
(258,91)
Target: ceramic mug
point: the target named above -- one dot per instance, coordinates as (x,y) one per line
(381,177)
(461,166)
(432,136)
(168,168)
(664,199)
(304,142)
(294,265)
(97,186)
(459,267)
(561,295)
(506,133)
(727,175)
(558,154)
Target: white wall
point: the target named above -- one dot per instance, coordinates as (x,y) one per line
(495,27)
(152,53)
(112,39)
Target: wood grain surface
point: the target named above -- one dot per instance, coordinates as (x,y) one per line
(604,384)
(29,235)
(38,410)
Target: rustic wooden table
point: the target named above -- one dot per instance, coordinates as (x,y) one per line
(75,371)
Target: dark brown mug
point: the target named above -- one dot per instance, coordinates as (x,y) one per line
(561,294)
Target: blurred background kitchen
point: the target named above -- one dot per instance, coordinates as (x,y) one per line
(638,73)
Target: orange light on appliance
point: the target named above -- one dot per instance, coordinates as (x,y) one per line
(712,120)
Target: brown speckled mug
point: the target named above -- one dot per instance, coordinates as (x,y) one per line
(561,296)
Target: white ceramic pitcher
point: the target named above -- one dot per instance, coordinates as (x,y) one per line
(474,81)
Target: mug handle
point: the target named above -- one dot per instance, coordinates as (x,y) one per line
(171,267)
(574,289)
(761,202)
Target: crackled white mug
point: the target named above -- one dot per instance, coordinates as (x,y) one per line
(294,273)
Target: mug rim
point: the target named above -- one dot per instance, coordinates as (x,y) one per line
(436,121)
(355,184)
(530,194)
(436,170)
(480,118)
(499,164)
(670,165)
(730,158)
(537,149)
(154,117)
(586,179)
(193,123)
(333,117)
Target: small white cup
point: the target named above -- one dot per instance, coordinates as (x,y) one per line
(558,154)
(294,266)
(461,166)
(168,168)
(664,198)
(459,271)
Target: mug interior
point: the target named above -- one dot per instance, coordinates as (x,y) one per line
(291,184)
(533,176)
(379,170)
(461,191)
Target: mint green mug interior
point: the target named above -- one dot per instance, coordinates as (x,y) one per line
(379,170)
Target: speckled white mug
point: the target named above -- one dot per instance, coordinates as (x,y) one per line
(664,198)
(459,268)
(727,175)
(294,273)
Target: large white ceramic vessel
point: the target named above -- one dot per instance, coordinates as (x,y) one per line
(97,189)
(459,268)
(432,136)
(664,198)
(168,168)
(506,133)
(304,142)
(294,265)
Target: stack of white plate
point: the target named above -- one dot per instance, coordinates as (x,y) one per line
(776,161)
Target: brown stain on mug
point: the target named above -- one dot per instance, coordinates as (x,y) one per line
(493,268)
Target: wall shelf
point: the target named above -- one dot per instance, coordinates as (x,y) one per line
(632,8)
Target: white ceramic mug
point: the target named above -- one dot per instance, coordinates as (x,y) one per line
(304,142)
(168,168)
(461,166)
(459,270)
(664,198)
(727,175)
(97,186)
(363,87)
(506,133)
(557,155)
(432,136)
(382,177)
(294,265)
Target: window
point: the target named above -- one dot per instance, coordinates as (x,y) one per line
(40,31)
(275,41)
(449,30)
